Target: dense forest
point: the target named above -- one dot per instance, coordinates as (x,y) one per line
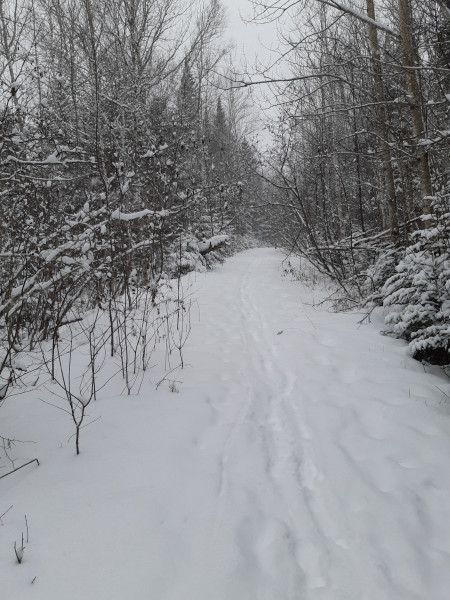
(361,155)
(123,164)
(127,160)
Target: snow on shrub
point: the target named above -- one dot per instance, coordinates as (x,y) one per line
(378,273)
(418,294)
(184,256)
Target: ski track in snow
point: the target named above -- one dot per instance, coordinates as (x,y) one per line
(304,458)
(300,510)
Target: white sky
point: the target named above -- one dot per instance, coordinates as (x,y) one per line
(252,48)
(252,41)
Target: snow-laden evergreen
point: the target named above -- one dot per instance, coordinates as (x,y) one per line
(418,295)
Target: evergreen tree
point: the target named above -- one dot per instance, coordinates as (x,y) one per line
(219,134)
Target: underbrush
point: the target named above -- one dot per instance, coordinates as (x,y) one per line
(411,284)
(120,324)
(108,349)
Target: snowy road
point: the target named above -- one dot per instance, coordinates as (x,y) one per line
(304,458)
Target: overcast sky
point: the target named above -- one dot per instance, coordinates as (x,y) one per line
(252,41)
(252,47)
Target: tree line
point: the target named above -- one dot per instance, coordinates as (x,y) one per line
(122,162)
(360,161)
(125,157)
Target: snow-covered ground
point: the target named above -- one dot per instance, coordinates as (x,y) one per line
(299,455)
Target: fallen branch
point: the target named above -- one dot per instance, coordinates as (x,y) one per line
(344,249)
(21,467)
(213,243)
(6,511)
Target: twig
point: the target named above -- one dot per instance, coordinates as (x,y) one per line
(26,523)
(6,511)
(21,467)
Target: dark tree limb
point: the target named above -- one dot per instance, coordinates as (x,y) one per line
(21,467)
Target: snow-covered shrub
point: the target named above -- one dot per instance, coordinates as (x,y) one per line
(378,273)
(184,256)
(189,253)
(418,294)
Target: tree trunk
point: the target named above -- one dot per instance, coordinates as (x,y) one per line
(381,123)
(423,166)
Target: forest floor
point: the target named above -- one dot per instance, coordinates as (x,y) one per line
(298,455)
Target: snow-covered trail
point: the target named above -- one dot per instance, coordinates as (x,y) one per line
(304,458)
(331,477)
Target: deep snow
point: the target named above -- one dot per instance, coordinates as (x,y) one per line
(299,456)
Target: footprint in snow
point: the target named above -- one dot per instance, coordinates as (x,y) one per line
(327,340)
(310,474)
